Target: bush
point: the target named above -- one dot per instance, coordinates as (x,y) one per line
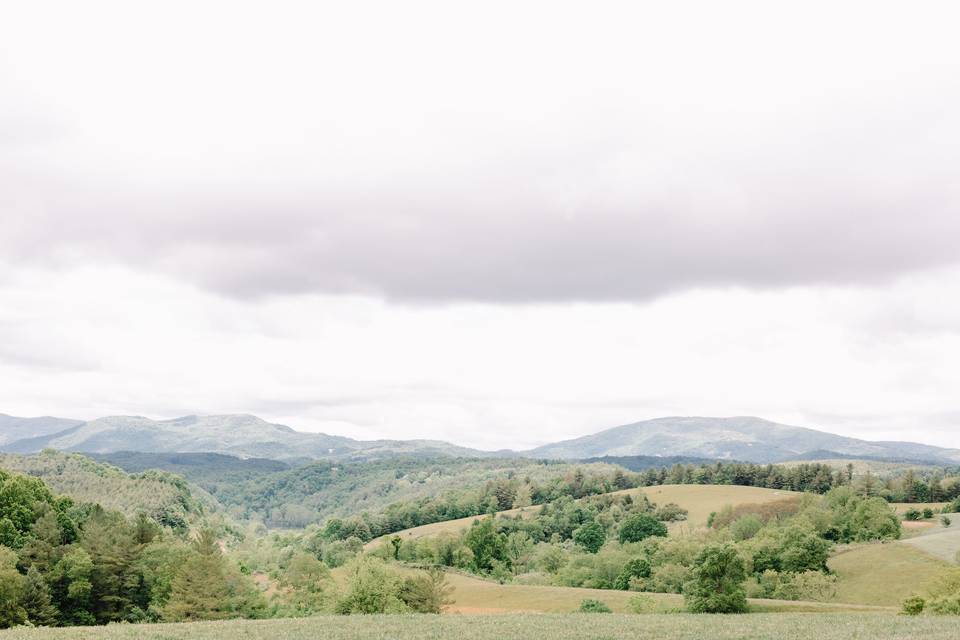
(642,603)
(927,513)
(671,512)
(428,592)
(746,527)
(717,585)
(640,527)
(913,606)
(912,515)
(593,606)
(373,588)
(945,521)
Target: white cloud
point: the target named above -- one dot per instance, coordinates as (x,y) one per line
(487,375)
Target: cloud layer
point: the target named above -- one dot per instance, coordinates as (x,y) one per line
(423,154)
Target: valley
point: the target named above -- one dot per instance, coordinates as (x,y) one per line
(502,537)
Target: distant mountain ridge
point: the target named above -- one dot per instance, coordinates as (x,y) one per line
(13,428)
(237,435)
(744,438)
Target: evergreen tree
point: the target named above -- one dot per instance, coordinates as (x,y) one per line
(200,586)
(36,600)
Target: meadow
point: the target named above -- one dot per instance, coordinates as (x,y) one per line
(778,626)
(699,501)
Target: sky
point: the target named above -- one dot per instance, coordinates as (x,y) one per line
(500,224)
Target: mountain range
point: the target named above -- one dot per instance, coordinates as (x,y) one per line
(748,439)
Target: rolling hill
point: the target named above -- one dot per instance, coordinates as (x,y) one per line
(163,496)
(739,438)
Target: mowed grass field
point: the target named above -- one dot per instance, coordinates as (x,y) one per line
(775,626)
(885,573)
(699,500)
(942,543)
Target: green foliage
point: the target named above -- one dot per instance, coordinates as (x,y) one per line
(593,606)
(635,568)
(486,545)
(427,592)
(640,527)
(717,584)
(857,518)
(590,536)
(163,497)
(913,606)
(12,586)
(642,603)
(373,588)
(207,587)
(746,527)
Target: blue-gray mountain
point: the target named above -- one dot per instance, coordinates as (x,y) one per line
(740,438)
(237,435)
(13,428)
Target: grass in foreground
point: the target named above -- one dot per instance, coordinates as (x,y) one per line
(830,626)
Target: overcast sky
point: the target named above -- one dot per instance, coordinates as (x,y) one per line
(499,224)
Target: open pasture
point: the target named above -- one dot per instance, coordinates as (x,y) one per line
(827,626)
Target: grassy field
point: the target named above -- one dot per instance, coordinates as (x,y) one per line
(939,542)
(830,626)
(699,500)
(474,595)
(885,574)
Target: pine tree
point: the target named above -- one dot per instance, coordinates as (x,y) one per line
(36,601)
(200,587)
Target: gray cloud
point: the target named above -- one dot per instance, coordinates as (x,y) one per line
(591,174)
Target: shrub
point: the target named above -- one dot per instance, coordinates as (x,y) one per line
(642,603)
(927,513)
(945,521)
(746,527)
(428,592)
(593,606)
(913,606)
(373,588)
(671,512)
(912,515)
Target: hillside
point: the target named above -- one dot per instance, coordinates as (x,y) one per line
(166,498)
(699,501)
(239,435)
(740,438)
(311,493)
(13,429)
